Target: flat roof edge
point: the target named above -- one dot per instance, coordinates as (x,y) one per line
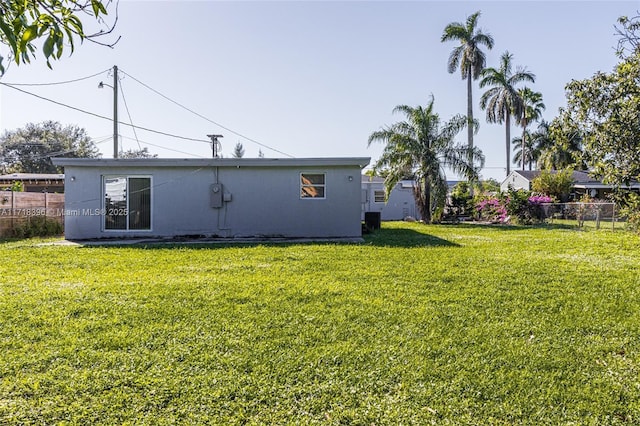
(212,162)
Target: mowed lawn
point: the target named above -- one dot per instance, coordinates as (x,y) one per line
(465,324)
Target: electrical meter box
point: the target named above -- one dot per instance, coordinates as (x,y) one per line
(216,195)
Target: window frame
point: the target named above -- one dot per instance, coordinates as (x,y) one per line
(322,185)
(377,192)
(128,198)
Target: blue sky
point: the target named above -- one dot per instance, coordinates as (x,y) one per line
(309,79)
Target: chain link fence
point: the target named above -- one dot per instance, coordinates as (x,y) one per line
(581,214)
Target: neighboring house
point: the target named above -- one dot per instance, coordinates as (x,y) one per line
(293,198)
(34,182)
(583,183)
(400,205)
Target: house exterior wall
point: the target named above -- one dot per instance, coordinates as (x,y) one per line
(515,181)
(401,202)
(264,199)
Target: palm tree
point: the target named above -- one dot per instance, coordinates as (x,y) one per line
(529,152)
(423,146)
(540,141)
(562,146)
(501,100)
(469,57)
(532,107)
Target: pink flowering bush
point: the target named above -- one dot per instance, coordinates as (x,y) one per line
(536,211)
(491,209)
(540,199)
(515,206)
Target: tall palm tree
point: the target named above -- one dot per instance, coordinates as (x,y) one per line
(532,107)
(501,100)
(423,146)
(468,56)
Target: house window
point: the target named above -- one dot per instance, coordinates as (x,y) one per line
(127,203)
(312,185)
(378,196)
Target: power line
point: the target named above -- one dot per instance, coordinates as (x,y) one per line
(129,114)
(103,117)
(206,118)
(58,82)
(101,139)
(163,147)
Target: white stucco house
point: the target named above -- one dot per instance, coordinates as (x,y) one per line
(227,198)
(401,202)
(583,183)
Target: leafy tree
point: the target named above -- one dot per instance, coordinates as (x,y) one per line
(628,29)
(56,21)
(488,185)
(468,57)
(238,151)
(137,153)
(532,107)
(425,146)
(631,210)
(29,150)
(605,109)
(556,184)
(501,100)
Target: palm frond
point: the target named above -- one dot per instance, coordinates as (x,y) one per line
(454,59)
(484,39)
(455,31)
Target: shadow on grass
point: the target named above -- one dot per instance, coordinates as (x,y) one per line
(396,237)
(405,238)
(206,243)
(380,237)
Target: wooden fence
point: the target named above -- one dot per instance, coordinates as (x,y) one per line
(19,208)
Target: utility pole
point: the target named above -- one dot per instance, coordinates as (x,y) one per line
(115,111)
(214,144)
(115,108)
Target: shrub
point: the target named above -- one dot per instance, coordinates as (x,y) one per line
(536,206)
(37,226)
(516,202)
(461,202)
(491,209)
(16,186)
(521,207)
(631,209)
(557,185)
(517,206)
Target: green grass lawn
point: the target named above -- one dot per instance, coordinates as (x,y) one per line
(419,325)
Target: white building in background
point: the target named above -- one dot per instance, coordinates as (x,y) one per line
(583,184)
(401,203)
